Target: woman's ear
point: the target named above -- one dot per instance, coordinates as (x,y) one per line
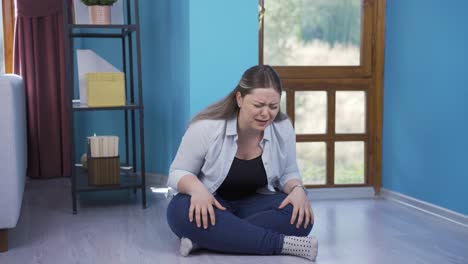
(239,99)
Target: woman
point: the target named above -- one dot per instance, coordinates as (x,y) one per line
(239,187)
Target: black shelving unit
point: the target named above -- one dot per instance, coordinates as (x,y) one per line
(129,35)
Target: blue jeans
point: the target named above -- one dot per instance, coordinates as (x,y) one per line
(253,225)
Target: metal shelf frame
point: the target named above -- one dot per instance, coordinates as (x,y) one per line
(128,33)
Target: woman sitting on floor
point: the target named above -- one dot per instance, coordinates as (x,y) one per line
(239,187)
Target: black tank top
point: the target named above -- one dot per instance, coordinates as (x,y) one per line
(243,179)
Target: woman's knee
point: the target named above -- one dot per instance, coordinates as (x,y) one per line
(177,212)
(288,209)
(301,231)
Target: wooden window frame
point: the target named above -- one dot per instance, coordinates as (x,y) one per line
(367,77)
(331,86)
(8,9)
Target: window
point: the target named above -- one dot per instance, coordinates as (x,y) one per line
(329,54)
(312,33)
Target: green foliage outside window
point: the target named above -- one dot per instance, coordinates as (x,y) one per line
(316,29)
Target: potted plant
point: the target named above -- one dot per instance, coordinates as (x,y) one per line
(99,11)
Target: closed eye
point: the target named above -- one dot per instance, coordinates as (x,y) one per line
(272,106)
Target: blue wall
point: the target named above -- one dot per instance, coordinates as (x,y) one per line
(165,58)
(223,44)
(425,101)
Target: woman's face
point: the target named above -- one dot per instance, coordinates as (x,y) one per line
(258,109)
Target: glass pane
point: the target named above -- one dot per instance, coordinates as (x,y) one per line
(349,162)
(283,102)
(350,112)
(312,162)
(312,32)
(310,112)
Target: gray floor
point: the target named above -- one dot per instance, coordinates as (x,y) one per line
(116,230)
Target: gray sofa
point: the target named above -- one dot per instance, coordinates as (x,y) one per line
(13,153)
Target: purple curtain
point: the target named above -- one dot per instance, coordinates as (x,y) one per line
(39,57)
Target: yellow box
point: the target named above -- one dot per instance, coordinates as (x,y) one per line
(105,88)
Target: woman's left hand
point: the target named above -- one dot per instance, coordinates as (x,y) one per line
(302,211)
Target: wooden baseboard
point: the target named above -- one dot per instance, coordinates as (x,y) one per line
(3,240)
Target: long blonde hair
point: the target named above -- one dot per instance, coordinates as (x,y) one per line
(259,76)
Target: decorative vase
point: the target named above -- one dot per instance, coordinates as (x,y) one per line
(100,14)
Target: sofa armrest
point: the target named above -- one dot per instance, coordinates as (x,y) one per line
(13,148)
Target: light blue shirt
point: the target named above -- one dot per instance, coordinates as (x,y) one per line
(209,147)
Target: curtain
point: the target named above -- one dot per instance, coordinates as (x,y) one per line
(39,57)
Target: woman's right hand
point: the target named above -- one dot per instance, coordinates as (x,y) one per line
(201,205)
